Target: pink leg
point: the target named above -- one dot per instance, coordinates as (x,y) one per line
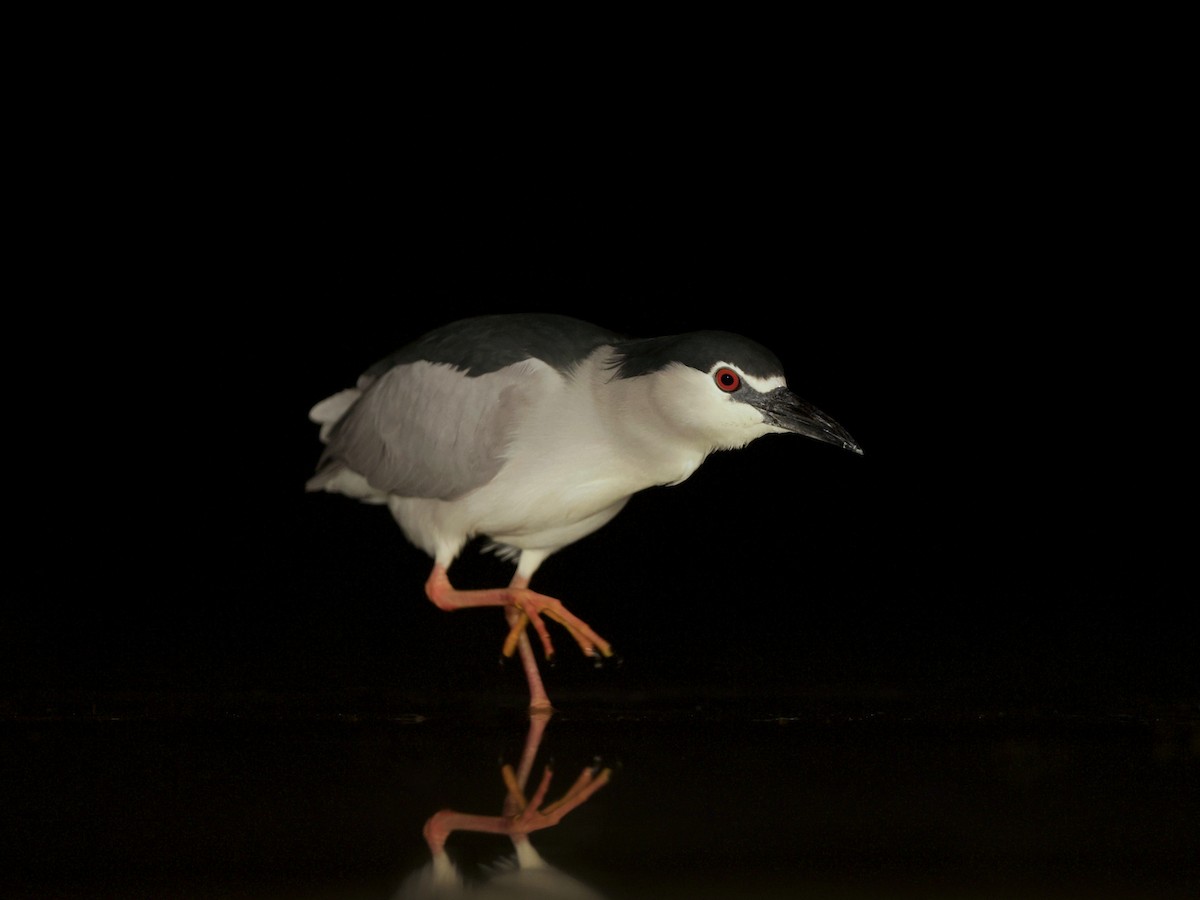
(538,699)
(530,606)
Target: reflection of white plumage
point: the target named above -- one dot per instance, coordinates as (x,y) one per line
(524,876)
(534,431)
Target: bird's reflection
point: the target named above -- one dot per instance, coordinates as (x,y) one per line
(522,873)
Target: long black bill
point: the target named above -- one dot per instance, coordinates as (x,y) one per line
(784,409)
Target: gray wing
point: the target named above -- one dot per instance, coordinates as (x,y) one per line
(428,430)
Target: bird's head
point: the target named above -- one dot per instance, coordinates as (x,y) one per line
(724,387)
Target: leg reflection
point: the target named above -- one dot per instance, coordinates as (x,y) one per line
(525,874)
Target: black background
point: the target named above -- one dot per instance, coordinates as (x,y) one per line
(968,255)
(968,273)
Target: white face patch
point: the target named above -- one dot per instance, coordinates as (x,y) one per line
(762,385)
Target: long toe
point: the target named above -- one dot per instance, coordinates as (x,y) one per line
(533,606)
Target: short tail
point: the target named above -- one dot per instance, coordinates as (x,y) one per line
(331,409)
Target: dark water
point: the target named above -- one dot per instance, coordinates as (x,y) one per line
(833,793)
(853,705)
(961,666)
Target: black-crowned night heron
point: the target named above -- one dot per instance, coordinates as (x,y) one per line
(534,430)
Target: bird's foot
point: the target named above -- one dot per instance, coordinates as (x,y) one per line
(525,607)
(531,606)
(525,816)
(521,816)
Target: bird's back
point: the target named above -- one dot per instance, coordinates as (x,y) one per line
(485,344)
(432,420)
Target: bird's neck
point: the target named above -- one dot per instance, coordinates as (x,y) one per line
(660,449)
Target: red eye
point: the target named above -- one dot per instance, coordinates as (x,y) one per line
(728,380)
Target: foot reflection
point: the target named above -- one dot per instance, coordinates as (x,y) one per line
(523,874)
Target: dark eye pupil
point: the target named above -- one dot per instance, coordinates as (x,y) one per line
(727,378)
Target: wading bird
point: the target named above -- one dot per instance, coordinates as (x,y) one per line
(534,430)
